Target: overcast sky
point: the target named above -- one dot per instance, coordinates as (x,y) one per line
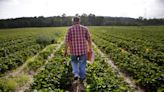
(116,8)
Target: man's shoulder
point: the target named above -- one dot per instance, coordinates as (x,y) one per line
(82,26)
(85,27)
(70,27)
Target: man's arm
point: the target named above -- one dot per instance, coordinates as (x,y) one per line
(89,41)
(66,43)
(66,49)
(90,45)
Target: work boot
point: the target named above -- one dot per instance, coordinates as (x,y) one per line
(76,78)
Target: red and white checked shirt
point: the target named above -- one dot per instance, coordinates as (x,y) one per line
(77,37)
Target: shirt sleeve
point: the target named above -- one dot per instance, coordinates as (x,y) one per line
(88,36)
(67,36)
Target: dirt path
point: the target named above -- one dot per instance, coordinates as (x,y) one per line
(126,78)
(27,85)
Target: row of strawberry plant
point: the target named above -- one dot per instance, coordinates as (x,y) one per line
(149,34)
(14,60)
(148,37)
(57,76)
(137,40)
(141,50)
(14,82)
(13,41)
(102,78)
(53,76)
(5,51)
(15,55)
(146,74)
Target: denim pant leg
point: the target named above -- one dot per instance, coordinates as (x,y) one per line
(82,66)
(75,65)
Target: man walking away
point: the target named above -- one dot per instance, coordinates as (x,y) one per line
(79,41)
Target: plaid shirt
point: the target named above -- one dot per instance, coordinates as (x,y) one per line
(77,37)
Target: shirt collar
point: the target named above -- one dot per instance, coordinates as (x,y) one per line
(76,23)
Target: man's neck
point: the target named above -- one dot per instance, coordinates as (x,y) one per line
(76,23)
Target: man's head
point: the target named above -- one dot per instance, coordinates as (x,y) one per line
(76,19)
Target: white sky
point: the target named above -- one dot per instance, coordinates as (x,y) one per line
(118,8)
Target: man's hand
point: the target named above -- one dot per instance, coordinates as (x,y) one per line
(90,45)
(90,49)
(65,53)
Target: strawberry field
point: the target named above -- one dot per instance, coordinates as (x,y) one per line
(31,60)
(137,51)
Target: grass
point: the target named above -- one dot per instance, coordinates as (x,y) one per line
(10,84)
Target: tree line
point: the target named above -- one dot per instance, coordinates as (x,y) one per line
(88,20)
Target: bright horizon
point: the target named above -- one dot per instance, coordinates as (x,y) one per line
(114,8)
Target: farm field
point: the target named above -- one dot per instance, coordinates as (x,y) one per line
(31,59)
(17,45)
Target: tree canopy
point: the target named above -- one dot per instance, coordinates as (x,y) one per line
(87,20)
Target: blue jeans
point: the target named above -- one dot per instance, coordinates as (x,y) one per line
(78,65)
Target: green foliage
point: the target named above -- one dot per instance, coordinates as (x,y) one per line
(23,79)
(137,51)
(160,90)
(134,53)
(11,83)
(49,79)
(34,65)
(57,76)
(101,77)
(39,60)
(7,85)
(17,45)
(89,20)
(45,40)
